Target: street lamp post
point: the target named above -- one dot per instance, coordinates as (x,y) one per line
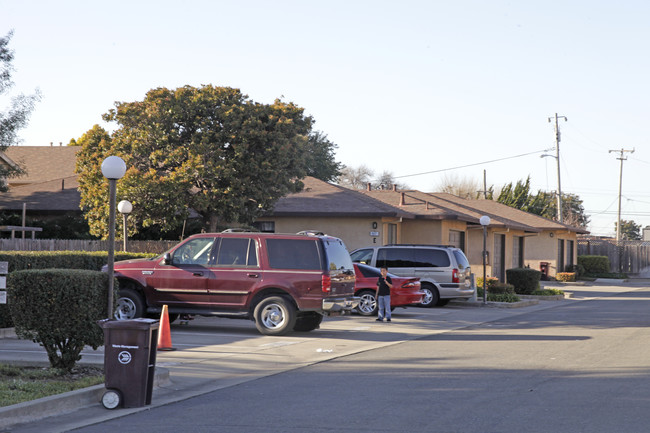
(113,168)
(124,207)
(485,221)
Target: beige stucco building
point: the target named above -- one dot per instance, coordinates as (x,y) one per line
(378,217)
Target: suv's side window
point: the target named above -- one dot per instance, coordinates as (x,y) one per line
(194,252)
(362,256)
(294,254)
(237,252)
(395,258)
(431,258)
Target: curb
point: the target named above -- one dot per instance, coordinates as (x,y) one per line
(58,404)
(491,304)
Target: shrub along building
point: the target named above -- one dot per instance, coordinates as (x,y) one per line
(378,217)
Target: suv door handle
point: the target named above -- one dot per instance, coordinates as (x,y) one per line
(197,274)
(253,275)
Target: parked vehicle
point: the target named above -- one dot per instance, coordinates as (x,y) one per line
(444,271)
(405,291)
(282,282)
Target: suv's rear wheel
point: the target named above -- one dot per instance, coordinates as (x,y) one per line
(431,296)
(130,305)
(367,303)
(275,315)
(308,322)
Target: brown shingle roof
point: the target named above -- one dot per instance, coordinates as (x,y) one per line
(50,183)
(320,198)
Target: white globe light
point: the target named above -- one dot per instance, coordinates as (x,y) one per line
(124,206)
(113,167)
(485,220)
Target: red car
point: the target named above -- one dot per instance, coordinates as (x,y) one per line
(405,291)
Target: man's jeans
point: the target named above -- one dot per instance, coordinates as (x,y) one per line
(384,307)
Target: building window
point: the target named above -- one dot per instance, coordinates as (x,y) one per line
(457,239)
(392,234)
(518,252)
(265,226)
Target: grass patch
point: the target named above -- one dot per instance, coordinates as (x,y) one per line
(25,383)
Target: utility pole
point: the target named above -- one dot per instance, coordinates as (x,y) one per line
(560,217)
(620,190)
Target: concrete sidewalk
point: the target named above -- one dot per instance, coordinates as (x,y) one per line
(209,359)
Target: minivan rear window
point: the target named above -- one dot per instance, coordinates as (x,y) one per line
(413,258)
(293,254)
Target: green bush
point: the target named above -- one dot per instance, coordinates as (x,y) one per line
(21,260)
(497,297)
(548,292)
(525,280)
(59,309)
(579,270)
(501,289)
(594,264)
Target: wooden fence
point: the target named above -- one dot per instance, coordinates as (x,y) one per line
(156,247)
(630,257)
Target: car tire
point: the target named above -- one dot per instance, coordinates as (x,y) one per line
(308,322)
(431,296)
(367,303)
(130,305)
(275,315)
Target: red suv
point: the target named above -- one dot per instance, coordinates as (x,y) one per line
(282,282)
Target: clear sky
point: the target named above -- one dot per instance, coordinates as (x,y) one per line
(403,86)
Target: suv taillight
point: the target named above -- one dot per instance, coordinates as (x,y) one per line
(327,283)
(454,276)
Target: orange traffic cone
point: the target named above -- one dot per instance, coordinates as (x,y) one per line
(164,335)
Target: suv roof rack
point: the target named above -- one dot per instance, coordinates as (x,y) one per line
(311,233)
(420,245)
(239,230)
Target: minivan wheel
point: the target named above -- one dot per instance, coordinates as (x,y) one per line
(367,303)
(130,305)
(431,296)
(275,316)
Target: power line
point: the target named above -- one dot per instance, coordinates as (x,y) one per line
(472,165)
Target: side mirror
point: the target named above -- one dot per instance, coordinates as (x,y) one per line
(167,259)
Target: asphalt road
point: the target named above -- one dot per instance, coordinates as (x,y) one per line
(574,367)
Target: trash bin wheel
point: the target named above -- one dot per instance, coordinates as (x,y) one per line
(111,399)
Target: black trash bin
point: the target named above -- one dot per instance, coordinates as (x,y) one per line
(129,361)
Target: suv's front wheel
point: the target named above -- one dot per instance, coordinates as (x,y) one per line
(130,305)
(431,296)
(275,315)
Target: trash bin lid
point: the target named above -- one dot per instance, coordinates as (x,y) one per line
(137,324)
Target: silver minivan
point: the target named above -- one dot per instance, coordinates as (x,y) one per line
(444,271)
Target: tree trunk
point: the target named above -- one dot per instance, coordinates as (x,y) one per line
(213,223)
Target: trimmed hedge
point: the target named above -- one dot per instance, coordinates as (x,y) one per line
(594,264)
(22,260)
(59,309)
(525,280)
(19,260)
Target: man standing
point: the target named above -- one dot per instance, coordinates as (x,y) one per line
(384,284)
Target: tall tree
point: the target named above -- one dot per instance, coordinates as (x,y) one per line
(16,115)
(462,187)
(543,203)
(630,231)
(208,149)
(355,177)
